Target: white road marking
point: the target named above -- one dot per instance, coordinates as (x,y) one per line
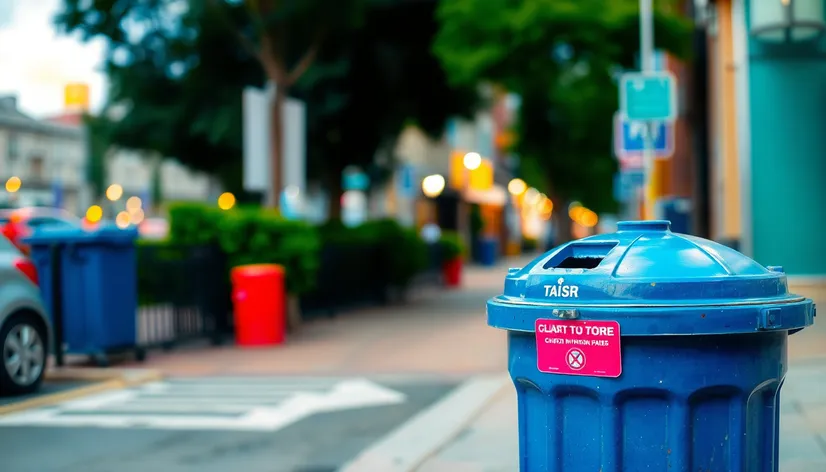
(211,404)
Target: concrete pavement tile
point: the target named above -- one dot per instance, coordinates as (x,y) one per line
(792,422)
(815,416)
(408,446)
(489,444)
(805,389)
(788,407)
(802,466)
(800,447)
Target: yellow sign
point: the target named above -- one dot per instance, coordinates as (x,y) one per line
(482,177)
(457,170)
(76,96)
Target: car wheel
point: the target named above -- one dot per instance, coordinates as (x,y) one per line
(23,345)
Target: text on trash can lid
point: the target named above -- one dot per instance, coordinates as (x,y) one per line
(561,290)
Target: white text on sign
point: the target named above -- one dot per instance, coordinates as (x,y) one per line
(577,329)
(562,291)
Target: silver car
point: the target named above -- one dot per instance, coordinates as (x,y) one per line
(25,330)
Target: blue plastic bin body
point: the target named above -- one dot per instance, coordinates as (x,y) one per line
(488,249)
(703,333)
(99,285)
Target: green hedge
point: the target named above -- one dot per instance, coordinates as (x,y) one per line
(451,246)
(250,235)
(400,252)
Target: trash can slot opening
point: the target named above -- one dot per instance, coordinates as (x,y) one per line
(581,255)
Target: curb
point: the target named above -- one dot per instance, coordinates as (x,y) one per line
(407,447)
(105,379)
(63,374)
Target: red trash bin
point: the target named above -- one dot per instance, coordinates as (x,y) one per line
(452,272)
(258,298)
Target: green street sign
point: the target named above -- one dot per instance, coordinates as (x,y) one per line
(648,96)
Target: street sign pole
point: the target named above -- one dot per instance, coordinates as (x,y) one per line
(647,63)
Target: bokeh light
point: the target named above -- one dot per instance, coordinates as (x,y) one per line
(472,160)
(292,191)
(13,184)
(94,213)
(532,196)
(133,203)
(114,192)
(226,201)
(122,220)
(588,218)
(517,187)
(433,185)
(136,216)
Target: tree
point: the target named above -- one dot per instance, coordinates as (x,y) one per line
(183,86)
(282,36)
(389,78)
(561,56)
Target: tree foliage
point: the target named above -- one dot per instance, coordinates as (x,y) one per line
(562,57)
(181,79)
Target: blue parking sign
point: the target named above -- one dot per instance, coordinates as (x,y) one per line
(407,180)
(629,138)
(626,183)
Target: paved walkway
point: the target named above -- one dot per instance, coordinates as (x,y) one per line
(490,442)
(440,332)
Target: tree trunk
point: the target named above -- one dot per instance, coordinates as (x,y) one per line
(562,222)
(335,188)
(294,316)
(277,143)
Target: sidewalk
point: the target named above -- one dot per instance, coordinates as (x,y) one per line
(438,333)
(490,442)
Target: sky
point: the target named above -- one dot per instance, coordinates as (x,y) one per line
(36,63)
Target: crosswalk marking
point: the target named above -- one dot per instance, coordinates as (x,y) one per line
(252,404)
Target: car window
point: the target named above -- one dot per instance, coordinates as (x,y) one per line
(43,220)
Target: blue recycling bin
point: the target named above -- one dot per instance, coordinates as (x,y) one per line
(98,278)
(648,350)
(488,247)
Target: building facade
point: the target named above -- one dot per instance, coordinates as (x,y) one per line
(49,158)
(135,171)
(769,71)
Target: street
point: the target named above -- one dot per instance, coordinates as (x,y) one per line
(312,405)
(215,424)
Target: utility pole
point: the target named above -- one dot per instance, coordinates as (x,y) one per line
(647,66)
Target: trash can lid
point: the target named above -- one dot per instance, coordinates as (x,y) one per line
(644,267)
(255,270)
(60,233)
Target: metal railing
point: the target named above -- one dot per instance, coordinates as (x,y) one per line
(183,294)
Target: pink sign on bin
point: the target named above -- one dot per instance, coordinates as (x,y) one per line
(571,347)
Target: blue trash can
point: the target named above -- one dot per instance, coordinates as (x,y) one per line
(488,249)
(98,275)
(648,350)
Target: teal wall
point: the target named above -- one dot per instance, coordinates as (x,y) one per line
(787,89)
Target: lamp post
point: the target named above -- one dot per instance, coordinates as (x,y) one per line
(787,21)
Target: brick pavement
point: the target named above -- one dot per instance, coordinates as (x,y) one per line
(440,332)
